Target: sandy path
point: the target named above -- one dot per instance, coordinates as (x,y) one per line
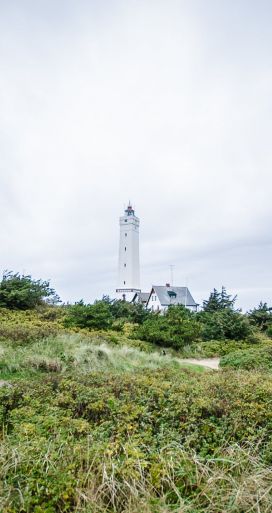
(211,363)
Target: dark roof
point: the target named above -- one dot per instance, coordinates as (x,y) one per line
(142,297)
(173,295)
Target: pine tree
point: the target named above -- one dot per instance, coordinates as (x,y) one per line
(219,301)
(261,316)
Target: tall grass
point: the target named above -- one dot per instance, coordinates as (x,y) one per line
(178,481)
(76,352)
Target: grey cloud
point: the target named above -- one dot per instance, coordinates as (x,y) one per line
(168,105)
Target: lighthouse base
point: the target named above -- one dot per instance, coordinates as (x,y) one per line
(126,294)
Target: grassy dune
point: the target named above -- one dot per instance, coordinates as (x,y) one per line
(96,423)
(79,353)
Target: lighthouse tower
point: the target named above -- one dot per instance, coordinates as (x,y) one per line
(129,262)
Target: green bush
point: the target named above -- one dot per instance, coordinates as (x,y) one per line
(213,348)
(224,324)
(249,359)
(96,316)
(269,331)
(176,328)
(148,441)
(124,312)
(23,293)
(26,326)
(261,316)
(91,425)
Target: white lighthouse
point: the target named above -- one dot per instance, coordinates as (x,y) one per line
(129,261)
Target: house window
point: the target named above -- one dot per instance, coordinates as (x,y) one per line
(125,248)
(125,265)
(125,220)
(125,234)
(124,282)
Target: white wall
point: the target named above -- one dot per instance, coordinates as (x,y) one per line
(155,305)
(129,260)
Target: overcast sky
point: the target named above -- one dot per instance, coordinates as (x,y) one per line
(164,103)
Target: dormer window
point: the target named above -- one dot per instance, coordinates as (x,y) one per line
(171,294)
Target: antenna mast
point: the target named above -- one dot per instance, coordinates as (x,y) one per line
(186,291)
(172,274)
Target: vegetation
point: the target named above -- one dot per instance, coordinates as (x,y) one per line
(105,314)
(82,432)
(261,317)
(96,316)
(219,301)
(80,353)
(224,325)
(177,328)
(100,415)
(249,359)
(23,293)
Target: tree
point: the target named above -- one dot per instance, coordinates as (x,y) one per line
(261,316)
(96,316)
(22,292)
(128,312)
(219,301)
(176,328)
(224,324)
(123,311)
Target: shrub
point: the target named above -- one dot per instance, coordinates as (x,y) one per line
(213,348)
(43,363)
(269,331)
(96,316)
(176,328)
(249,359)
(224,324)
(148,441)
(125,312)
(23,293)
(26,326)
(261,316)
(28,333)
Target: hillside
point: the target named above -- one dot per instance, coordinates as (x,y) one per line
(96,421)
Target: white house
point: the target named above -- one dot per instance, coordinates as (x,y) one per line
(161,297)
